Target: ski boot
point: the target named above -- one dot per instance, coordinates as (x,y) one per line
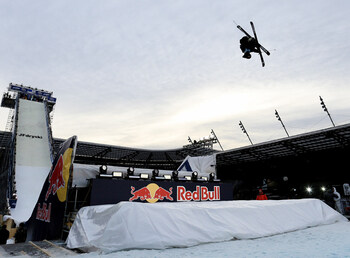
(247,54)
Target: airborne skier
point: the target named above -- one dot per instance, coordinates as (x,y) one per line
(248,44)
(251,44)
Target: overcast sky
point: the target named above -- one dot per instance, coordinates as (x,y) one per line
(150,73)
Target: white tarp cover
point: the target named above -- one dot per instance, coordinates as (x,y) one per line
(130,225)
(201,164)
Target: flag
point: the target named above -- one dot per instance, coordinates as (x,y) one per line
(46,221)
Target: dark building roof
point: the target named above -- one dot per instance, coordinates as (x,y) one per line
(289,165)
(326,139)
(94,153)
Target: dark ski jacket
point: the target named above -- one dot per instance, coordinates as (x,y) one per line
(248,43)
(4,235)
(21,235)
(329,198)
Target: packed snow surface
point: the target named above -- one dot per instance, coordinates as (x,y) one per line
(321,241)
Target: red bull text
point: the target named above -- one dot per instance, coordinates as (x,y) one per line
(200,194)
(43,213)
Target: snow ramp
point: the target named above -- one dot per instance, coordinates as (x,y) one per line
(130,225)
(32,158)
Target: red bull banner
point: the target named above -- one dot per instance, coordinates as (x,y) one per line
(109,191)
(47,218)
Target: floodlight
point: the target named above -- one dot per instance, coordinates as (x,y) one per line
(156,176)
(167,177)
(103,169)
(211,177)
(144,176)
(194,176)
(117,174)
(133,177)
(155,173)
(323,189)
(202,179)
(188,178)
(309,189)
(130,171)
(175,175)
(105,175)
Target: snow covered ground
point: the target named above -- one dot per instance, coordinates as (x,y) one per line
(322,241)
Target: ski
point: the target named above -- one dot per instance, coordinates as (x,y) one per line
(262,48)
(259,48)
(246,33)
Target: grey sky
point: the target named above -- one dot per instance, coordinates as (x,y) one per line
(151,73)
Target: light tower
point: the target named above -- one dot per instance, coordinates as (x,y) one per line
(323,105)
(280,119)
(245,131)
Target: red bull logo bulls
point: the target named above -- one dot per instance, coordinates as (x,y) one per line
(151,193)
(56,180)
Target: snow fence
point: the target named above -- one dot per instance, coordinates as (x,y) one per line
(131,225)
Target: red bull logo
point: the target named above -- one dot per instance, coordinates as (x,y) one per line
(43,213)
(151,193)
(56,180)
(200,194)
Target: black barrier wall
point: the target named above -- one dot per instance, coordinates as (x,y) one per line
(109,191)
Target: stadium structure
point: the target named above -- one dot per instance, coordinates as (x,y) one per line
(283,168)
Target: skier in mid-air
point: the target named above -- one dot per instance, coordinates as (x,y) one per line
(251,44)
(248,44)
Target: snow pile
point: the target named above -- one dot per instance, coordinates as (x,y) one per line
(129,225)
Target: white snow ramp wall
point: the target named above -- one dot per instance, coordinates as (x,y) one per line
(129,225)
(33,160)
